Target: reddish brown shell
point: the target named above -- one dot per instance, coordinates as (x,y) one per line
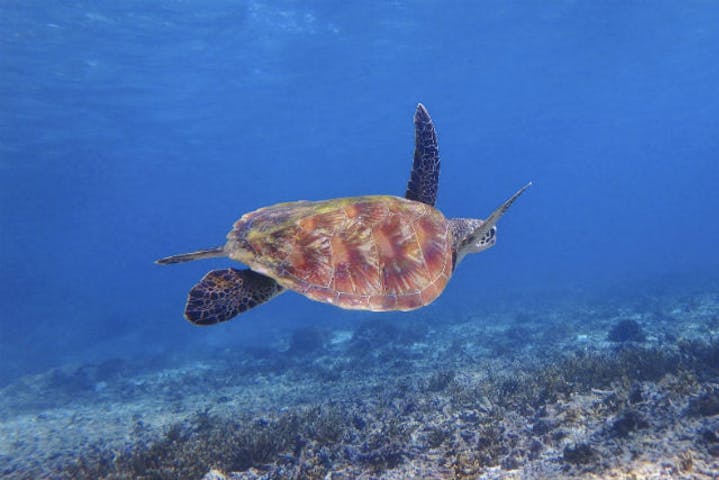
(369,253)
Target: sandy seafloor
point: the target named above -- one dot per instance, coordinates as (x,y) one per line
(533,386)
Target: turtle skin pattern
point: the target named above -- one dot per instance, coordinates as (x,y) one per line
(374,253)
(222,294)
(424,179)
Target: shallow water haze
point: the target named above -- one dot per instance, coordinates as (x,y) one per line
(132,130)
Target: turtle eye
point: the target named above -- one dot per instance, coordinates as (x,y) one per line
(489,236)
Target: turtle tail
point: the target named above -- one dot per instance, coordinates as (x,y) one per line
(188,257)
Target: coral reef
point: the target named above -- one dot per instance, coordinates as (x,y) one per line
(307,341)
(391,401)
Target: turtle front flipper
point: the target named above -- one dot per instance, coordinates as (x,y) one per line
(222,294)
(424,179)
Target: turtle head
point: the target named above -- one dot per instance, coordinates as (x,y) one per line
(470,235)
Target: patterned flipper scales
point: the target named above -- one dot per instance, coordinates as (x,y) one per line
(222,294)
(424,180)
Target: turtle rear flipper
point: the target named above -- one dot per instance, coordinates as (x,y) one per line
(189,257)
(222,294)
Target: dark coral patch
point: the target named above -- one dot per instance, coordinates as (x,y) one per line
(626,331)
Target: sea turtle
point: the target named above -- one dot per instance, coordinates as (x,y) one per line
(377,252)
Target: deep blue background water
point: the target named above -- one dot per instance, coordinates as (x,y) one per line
(133,130)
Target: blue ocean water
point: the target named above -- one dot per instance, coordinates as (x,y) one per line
(134,130)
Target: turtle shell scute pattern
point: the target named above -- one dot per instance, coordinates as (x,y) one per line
(371,253)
